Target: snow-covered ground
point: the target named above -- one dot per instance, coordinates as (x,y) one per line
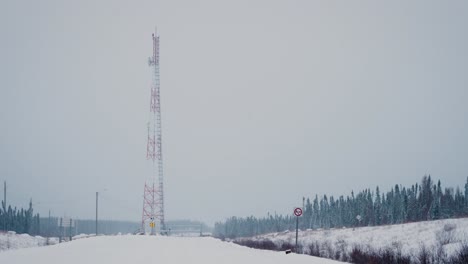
(408,238)
(147,249)
(11,240)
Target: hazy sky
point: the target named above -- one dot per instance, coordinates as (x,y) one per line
(263,102)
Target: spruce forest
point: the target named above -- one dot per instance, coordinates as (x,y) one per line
(420,202)
(19,220)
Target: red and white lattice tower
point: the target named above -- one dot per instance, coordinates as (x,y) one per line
(153,197)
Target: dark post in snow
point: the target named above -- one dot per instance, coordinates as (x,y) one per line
(297,230)
(70,231)
(4,205)
(297,213)
(96,213)
(48,230)
(4,195)
(60,231)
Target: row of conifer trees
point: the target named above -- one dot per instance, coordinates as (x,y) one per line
(19,220)
(419,202)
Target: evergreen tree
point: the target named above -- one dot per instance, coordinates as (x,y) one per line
(404,195)
(426,197)
(377,207)
(436,203)
(466,195)
(308,213)
(316,218)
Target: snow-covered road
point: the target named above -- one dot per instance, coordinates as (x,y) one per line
(149,250)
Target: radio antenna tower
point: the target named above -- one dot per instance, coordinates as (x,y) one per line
(153,194)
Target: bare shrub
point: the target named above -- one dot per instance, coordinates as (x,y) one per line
(439,255)
(403,259)
(326,250)
(359,256)
(397,246)
(337,254)
(450,227)
(286,245)
(340,250)
(424,256)
(267,244)
(461,257)
(258,244)
(314,249)
(447,234)
(388,256)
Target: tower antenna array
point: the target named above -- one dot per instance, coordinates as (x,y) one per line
(153,194)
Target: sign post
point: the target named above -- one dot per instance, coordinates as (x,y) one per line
(70,231)
(60,230)
(297,213)
(152,225)
(63,223)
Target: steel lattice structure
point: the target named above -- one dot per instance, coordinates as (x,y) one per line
(153,195)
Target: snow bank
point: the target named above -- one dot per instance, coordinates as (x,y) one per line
(151,249)
(408,238)
(11,240)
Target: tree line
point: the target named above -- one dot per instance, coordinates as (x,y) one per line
(19,220)
(420,202)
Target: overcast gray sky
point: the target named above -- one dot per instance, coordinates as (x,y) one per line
(263,102)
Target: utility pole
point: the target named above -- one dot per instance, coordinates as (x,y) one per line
(70,230)
(4,194)
(48,229)
(61,230)
(5,204)
(97,193)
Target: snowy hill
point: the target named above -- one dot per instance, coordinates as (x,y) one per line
(146,249)
(441,238)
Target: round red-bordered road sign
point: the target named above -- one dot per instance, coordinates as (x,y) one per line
(298,211)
